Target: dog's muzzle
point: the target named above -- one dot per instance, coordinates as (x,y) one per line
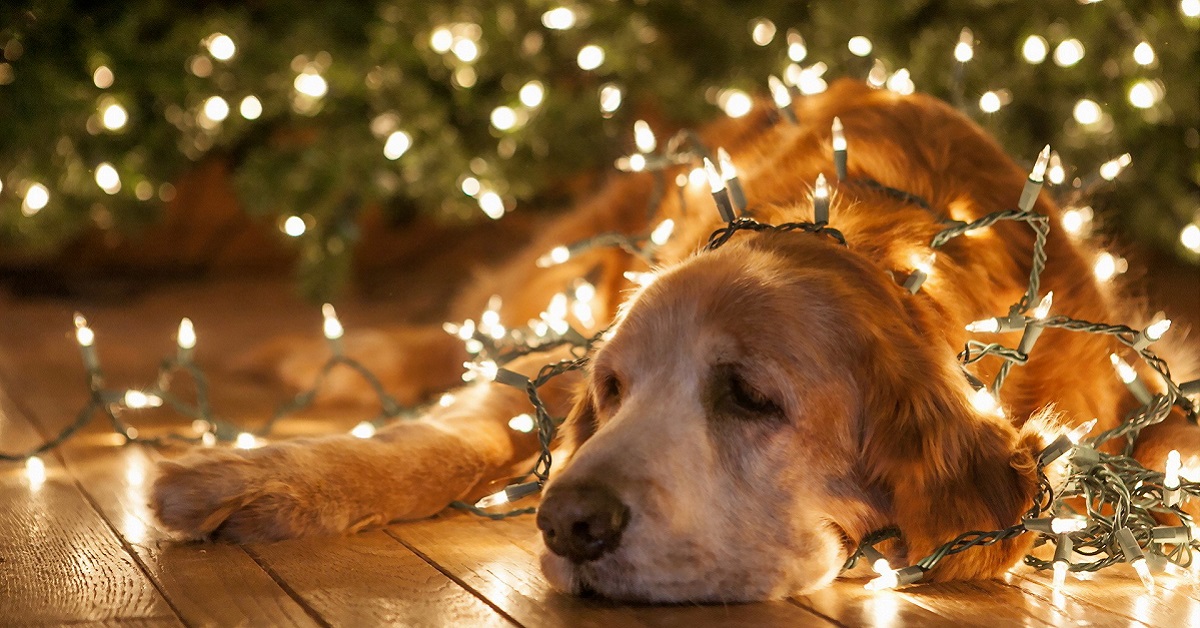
(582,522)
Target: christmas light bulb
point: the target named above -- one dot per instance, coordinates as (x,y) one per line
(466,50)
(1189,236)
(779,92)
(1110,169)
(1068,53)
(839,135)
(796,49)
(503,118)
(557,255)
(114,117)
(1143,54)
(821,200)
(590,57)
(901,82)
(186,336)
(487,370)
(1065,525)
(398,142)
(633,163)
(1035,48)
(662,233)
(1081,430)
(511,493)
(136,400)
(83,334)
(1060,573)
(883,581)
(860,46)
(1039,167)
(964,50)
(1124,370)
(35,472)
(220,46)
(245,440)
(985,326)
(1171,477)
(332,327)
(495,499)
(1076,220)
(441,39)
(1087,112)
(643,137)
(736,103)
(924,263)
(984,402)
(522,423)
(37,196)
(1056,173)
(877,77)
(107,178)
(558,18)
(989,102)
(366,429)
(532,94)
(492,205)
(715,181)
(1143,572)
(1043,307)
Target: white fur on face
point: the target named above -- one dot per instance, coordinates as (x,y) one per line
(716,514)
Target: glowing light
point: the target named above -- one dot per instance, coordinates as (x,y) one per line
(1076,220)
(1038,173)
(964,50)
(984,402)
(136,400)
(729,171)
(1143,54)
(221,47)
(1068,53)
(102,77)
(216,108)
(1144,94)
(737,103)
(809,79)
(1157,330)
(396,145)
(492,205)
(860,46)
(366,429)
(186,336)
(245,440)
(610,98)
(83,334)
(900,82)
(985,326)
(643,137)
(107,178)
(114,117)
(495,499)
(640,279)
(1190,8)
(504,118)
(332,326)
(1124,370)
(1056,173)
(883,581)
(466,50)
(471,186)
(441,39)
(590,57)
(762,31)
(662,232)
(1110,169)
(779,92)
(796,49)
(989,102)
(1105,267)
(446,400)
(251,108)
(532,94)
(877,76)
(1171,476)
(311,84)
(486,369)
(697,177)
(294,226)
(35,472)
(522,423)
(1143,572)
(1043,307)
(556,256)
(715,181)
(923,263)
(1060,573)
(1087,111)
(559,18)
(1189,237)
(1076,435)
(37,196)
(1035,48)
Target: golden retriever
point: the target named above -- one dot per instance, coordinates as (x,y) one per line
(759,407)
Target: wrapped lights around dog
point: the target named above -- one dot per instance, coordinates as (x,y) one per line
(1129,376)
(1151,334)
(1033,185)
(717,184)
(922,268)
(820,200)
(1034,326)
(839,148)
(729,174)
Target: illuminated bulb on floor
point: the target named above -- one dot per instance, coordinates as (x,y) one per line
(1035,48)
(521,423)
(1143,572)
(366,429)
(1060,573)
(485,370)
(495,499)
(246,440)
(35,472)
(1113,167)
(662,233)
(332,326)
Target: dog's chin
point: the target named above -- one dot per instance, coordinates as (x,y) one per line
(612,578)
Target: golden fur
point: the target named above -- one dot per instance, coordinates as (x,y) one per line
(870,423)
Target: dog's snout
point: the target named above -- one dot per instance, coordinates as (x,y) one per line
(582,523)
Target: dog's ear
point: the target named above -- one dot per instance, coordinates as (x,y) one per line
(947,467)
(581,421)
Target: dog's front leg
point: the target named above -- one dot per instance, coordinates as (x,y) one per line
(340,484)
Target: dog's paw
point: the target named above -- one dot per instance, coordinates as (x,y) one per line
(243,497)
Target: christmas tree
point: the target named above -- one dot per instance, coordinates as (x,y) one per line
(472,109)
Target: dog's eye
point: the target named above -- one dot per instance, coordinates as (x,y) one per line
(608,389)
(748,399)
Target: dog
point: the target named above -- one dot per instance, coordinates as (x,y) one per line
(758,408)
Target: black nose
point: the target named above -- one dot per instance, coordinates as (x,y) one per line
(582,522)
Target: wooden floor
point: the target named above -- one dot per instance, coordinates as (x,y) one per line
(82,547)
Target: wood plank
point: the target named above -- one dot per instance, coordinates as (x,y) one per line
(498,560)
(848,603)
(371,579)
(1117,591)
(59,560)
(206,583)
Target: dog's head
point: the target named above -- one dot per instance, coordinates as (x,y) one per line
(758,410)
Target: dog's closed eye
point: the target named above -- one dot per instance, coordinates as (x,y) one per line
(608,389)
(735,394)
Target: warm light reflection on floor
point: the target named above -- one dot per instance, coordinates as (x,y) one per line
(883,606)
